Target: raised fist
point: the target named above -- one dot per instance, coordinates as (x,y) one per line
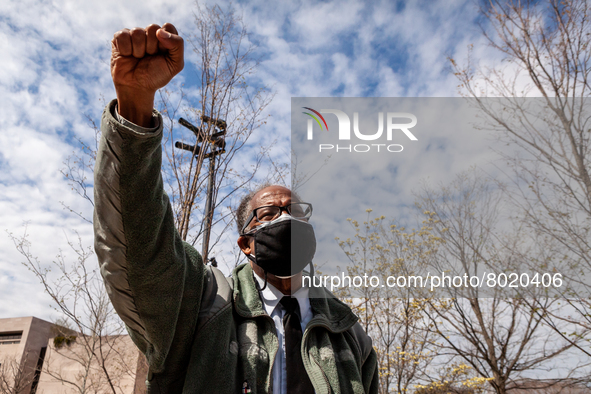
(143,61)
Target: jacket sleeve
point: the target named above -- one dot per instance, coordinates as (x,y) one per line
(369,360)
(370,373)
(153,278)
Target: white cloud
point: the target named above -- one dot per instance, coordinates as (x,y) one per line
(320,25)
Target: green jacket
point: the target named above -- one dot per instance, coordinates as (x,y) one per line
(200,332)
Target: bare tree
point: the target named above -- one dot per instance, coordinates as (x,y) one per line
(15,377)
(454,379)
(227,113)
(394,319)
(547,53)
(109,367)
(89,322)
(498,332)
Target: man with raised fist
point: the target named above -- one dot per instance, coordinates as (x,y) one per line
(202,332)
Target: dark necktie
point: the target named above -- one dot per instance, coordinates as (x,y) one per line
(298,381)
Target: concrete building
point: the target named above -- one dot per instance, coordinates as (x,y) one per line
(23,341)
(38,357)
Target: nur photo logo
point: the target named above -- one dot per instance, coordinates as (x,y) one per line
(396,123)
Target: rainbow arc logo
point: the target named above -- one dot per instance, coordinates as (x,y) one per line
(315,118)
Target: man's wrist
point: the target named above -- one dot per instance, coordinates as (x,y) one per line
(136,106)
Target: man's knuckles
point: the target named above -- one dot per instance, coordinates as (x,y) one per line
(138,40)
(169,27)
(122,42)
(151,39)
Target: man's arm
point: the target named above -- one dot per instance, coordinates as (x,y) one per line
(154,280)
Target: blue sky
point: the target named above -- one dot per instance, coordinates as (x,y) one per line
(55,73)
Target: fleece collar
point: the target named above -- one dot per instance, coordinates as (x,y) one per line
(328,311)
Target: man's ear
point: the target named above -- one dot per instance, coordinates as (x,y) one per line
(244,244)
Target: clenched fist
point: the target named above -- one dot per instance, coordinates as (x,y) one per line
(143,61)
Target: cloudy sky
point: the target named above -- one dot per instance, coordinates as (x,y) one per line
(54,78)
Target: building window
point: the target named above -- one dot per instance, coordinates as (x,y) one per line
(37,375)
(10,338)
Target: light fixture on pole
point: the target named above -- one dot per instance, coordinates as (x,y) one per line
(217,144)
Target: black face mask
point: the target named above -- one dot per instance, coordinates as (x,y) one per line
(284,246)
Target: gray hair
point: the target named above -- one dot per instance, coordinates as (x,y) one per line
(244,208)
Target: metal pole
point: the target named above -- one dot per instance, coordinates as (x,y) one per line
(208,207)
(216,140)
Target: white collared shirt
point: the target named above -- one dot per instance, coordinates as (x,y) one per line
(271,297)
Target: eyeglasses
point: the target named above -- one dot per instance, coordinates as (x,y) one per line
(297,210)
